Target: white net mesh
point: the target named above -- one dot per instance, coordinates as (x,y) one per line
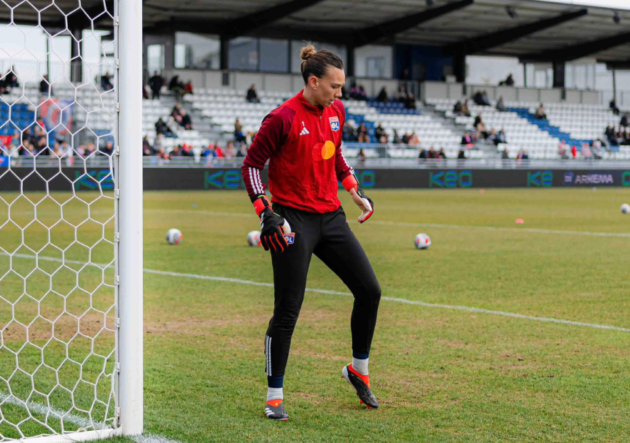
(57,218)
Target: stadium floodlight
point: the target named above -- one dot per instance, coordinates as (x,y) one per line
(71,352)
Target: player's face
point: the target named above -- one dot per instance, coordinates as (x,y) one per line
(329,87)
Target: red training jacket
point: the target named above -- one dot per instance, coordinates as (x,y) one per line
(303,145)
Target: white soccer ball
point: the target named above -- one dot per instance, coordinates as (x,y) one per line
(253,238)
(625,208)
(422,241)
(174,236)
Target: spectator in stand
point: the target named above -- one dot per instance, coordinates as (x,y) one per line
(480,127)
(344,93)
(177,87)
(481,98)
(155,83)
(362,93)
(411,102)
(509,81)
(467,140)
(239,137)
(501,105)
(405,138)
(563,150)
(397,140)
(357,92)
(613,106)
(586,152)
(176,151)
(108,149)
(90,149)
(522,155)
(242,150)
(348,132)
(185,121)
(501,137)
(540,113)
(230,152)
(147,149)
(494,137)
(624,121)
(162,128)
(442,154)
(574,151)
(362,134)
(461,155)
(218,150)
(611,136)
(465,110)
(382,96)
(422,155)
(380,134)
(252,95)
(433,154)
(361,156)
(413,139)
(44,86)
(596,148)
(158,142)
(106,82)
(176,111)
(188,88)
(209,151)
(457,108)
(505,155)
(11,79)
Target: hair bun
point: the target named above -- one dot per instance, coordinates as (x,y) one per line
(307,52)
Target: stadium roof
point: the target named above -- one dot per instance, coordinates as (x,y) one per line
(529,29)
(340,21)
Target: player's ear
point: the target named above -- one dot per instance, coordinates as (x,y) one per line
(313,82)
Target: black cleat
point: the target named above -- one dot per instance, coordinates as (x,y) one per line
(274,409)
(362,385)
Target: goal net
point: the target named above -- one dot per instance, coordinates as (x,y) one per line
(61,224)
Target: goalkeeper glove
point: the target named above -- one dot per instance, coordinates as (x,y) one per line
(272,226)
(358,196)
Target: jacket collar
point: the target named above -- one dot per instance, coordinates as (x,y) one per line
(317,110)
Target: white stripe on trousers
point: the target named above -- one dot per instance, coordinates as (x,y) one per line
(268,354)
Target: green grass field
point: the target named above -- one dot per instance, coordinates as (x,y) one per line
(441,374)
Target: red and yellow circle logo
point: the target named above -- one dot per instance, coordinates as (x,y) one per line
(324,151)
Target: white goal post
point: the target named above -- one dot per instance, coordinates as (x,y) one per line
(71,240)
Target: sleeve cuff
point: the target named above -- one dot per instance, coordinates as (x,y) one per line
(350,183)
(260,204)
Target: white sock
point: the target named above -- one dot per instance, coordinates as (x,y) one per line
(360,365)
(274,394)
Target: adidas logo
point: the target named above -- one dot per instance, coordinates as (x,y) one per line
(304,130)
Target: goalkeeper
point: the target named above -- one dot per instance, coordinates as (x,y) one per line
(302,141)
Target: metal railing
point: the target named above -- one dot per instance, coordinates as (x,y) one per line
(376,163)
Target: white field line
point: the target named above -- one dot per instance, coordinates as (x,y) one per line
(426,225)
(401,300)
(78,420)
(348,294)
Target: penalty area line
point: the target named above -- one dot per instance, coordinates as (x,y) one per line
(402,300)
(348,294)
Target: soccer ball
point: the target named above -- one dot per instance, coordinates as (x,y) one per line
(174,236)
(422,241)
(253,238)
(625,208)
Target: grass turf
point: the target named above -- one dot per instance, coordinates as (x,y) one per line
(440,374)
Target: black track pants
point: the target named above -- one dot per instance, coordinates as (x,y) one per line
(329,237)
